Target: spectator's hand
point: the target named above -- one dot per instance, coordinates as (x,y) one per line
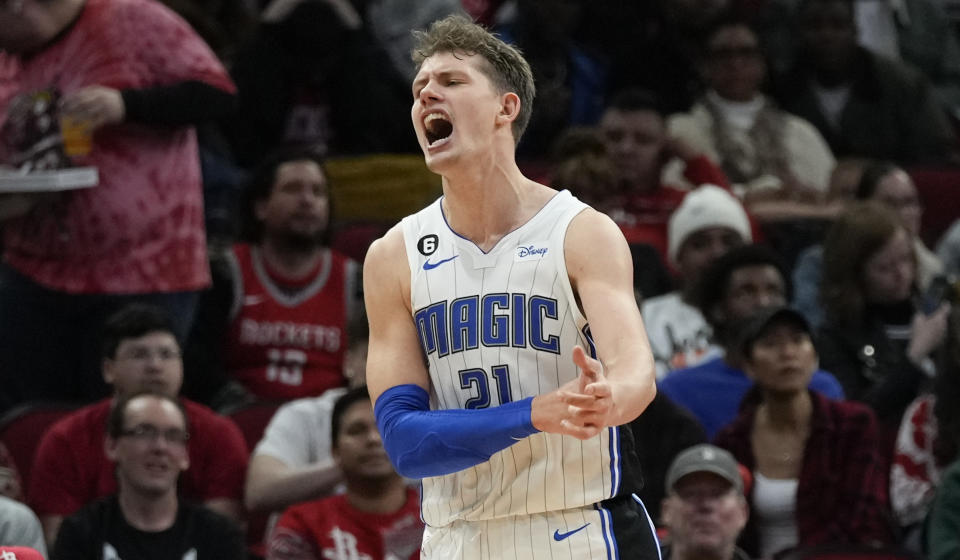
(678,148)
(929,332)
(97,106)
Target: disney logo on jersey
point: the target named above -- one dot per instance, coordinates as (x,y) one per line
(530,252)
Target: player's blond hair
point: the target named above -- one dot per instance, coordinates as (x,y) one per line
(506,68)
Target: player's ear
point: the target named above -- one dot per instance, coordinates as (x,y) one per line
(509,108)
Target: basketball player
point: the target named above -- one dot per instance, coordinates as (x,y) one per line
(480,362)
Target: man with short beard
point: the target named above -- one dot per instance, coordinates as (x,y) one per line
(277,320)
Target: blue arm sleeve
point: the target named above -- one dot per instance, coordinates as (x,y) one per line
(423,442)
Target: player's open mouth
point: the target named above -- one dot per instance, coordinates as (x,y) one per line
(438,129)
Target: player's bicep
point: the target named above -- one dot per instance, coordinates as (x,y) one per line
(601,273)
(394,356)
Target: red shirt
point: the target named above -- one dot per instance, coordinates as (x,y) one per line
(643,217)
(71,468)
(141,229)
(288,344)
(332,529)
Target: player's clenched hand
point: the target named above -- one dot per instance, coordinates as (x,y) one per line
(581,407)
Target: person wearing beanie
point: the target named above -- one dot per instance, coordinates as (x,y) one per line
(709,222)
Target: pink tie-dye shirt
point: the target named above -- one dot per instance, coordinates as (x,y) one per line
(141,229)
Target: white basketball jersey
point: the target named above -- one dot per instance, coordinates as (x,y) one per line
(497,327)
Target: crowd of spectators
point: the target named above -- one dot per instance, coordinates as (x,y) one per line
(759,156)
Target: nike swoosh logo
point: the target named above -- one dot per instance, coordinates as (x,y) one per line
(427,265)
(252,300)
(558,536)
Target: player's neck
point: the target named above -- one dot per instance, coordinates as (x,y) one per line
(290,262)
(490,202)
(148,512)
(381,496)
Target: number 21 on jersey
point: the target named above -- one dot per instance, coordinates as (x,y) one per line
(477,382)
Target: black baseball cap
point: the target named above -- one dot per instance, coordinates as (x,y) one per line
(753,328)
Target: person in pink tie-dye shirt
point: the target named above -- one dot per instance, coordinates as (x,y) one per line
(139,77)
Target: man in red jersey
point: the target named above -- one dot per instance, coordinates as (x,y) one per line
(379,515)
(277,322)
(71,469)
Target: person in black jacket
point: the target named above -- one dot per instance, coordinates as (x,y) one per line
(876,339)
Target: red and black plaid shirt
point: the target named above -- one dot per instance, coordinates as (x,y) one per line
(842,492)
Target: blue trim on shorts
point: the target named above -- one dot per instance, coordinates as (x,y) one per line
(616,469)
(606,527)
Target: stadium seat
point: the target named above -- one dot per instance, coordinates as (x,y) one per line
(22,427)
(848,552)
(252,419)
(354,239)
(939,189)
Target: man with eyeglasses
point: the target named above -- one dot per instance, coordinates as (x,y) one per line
(146,439)
(705,508)
(140,353)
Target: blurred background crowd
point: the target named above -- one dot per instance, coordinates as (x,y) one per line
(786,173)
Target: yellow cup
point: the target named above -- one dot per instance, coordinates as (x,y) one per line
(77,136)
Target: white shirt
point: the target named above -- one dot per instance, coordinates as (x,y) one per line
(775,512)
(679,334)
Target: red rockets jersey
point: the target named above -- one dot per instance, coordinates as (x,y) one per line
(330,528)
(285,344)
